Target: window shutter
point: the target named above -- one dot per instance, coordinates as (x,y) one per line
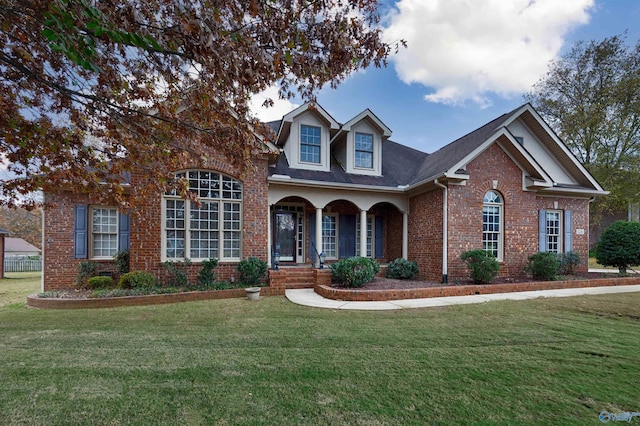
(568,231)
(379,238)
(124,231)
(542,230)
(80,231)
(312,237)
(347,234)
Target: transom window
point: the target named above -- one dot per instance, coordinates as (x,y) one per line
(310,144)
(492,224)
(364,150)
(104,232)
(211,230)
(554,231)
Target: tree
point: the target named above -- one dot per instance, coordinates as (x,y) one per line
(591,98)
(619,246)
(91,90)
(23,224)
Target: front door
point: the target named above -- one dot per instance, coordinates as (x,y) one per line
(284,235)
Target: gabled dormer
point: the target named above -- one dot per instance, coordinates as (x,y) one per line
(358,144)
(305,134)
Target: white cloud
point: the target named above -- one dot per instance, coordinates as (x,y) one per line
(466,49)
(277,111)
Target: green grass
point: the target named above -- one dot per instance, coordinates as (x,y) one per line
(555,361)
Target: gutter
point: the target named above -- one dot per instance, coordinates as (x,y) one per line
(445,227)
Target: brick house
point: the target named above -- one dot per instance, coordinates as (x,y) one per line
(510,187)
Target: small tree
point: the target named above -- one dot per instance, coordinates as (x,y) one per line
(483,266)
(252,271)
(207,275)
(619,246)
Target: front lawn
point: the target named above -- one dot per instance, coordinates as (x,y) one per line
(550,361)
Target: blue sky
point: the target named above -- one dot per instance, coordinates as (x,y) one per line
(468,61)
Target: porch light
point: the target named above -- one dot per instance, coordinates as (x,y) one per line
(323,257)
(276,260)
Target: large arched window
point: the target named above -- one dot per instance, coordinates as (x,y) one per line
(492,235)
(211,230)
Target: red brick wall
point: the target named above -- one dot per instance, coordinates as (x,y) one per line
(520,211)
(60,268)
(425,234)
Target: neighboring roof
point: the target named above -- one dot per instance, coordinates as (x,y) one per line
(18,245)
(4,231)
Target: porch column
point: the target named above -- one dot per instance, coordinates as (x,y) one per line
(319,245)
(269,236)
(405,235)
(363,233)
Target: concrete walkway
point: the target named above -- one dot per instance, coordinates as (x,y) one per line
(308,297)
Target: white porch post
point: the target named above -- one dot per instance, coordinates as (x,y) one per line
(363,233)
(269,236)
(405,235)
(319,245)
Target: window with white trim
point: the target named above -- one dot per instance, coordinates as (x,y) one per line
(492,236)
(330,236)
(212,229)
(310,141)
(104,232)
(554,231)
(364,151)
(369,236)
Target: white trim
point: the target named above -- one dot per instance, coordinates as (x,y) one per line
(90,232)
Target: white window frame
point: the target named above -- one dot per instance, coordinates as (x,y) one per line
(549,236)
(319,145)
(356,150)
(93,233)
(486,205)
(335,237)
(228,194)
(370,235)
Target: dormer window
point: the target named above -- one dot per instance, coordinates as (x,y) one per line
(364,151)
(310,144)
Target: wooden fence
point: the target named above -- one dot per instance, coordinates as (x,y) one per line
(22,265)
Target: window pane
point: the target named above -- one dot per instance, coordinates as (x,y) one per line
(329,236)
(553,231)
(104,231)
(310,144)
(364,150)
(491,223)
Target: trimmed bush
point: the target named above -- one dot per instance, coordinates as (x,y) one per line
(483,266)
(354,271)
(86,270)
(619,246)
(177,273)
(252,271)
(569,262)
(137,279)
(402,269)
(122,262)
(96,283)
(207,275)
(543,266)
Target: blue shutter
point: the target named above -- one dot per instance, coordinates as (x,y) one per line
(568,231)
(80,230)
(379,238)
(312,237)
(542,231)
(347,235)
(124,231)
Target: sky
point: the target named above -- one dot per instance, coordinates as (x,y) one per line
(467,62)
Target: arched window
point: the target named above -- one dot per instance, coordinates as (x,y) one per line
(492,235)
(211,230)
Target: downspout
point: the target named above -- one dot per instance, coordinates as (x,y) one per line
(445,227)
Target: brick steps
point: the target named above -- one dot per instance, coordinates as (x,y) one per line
(297,277)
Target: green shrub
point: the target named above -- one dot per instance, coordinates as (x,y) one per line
(543,266)
(569,261)
(402,269)
(122,262)
(354,271)
(177,273)
(207,275)
(95,283)
(483,266)
(619,246)
(86,270)
(252,271)
(137,279)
